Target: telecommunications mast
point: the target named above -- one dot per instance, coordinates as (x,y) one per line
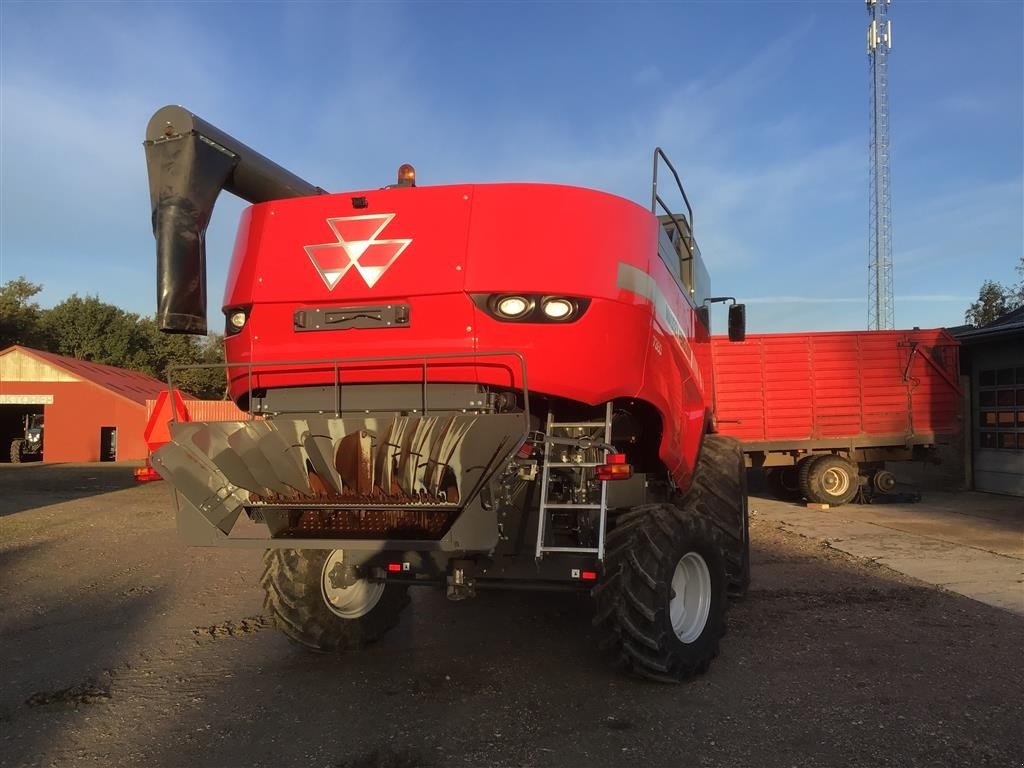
(881,313)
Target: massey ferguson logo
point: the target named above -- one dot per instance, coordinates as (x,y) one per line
(357,247)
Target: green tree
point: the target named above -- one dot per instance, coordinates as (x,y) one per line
(90,329)
(19,315)
(996,300)
(167,349)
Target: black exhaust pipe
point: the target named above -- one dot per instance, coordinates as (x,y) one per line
(190,162)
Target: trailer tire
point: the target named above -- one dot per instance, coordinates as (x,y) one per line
(662,599)
(829,479)
(295,599)
(16,451)
(782,482)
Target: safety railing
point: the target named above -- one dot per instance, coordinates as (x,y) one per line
(683,226)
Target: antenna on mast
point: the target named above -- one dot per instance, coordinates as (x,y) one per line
(881,310)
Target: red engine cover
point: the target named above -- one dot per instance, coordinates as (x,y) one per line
(432,248)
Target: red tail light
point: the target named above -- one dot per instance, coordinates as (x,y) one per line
(525,451)
(615,468)
(589,575)
(394,567)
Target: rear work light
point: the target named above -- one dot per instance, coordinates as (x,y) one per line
(614,468)
(531,308)
(513,307)
(558,309)
(235,319)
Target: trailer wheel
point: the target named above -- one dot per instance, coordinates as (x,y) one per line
(16,452)
(661,602)
(829,480)
(782,482)
(305,604)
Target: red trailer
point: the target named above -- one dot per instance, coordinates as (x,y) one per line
(823,412)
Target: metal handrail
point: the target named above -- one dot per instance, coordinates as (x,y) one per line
(687,238)
(338,363)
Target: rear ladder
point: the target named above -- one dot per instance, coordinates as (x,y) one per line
(565,428)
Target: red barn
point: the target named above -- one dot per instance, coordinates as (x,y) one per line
(91,412)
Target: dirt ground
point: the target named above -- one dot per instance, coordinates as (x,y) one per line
(119,646)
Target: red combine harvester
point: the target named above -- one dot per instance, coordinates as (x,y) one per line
(823,412)
(469,386)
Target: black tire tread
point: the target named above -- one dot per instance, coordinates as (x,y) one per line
(812,472)
(293,600)
(632,605)
(719,492)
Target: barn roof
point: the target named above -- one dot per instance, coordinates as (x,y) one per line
(133,385)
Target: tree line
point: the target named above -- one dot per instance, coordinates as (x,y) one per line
(89,329)
(995,300)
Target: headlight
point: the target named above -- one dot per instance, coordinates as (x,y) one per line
(237,319)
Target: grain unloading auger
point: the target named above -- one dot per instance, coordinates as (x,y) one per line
(380,341)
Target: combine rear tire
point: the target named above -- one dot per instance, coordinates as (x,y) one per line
(313,612)
(830,480)
(16,453)
(661,602)
(718,492)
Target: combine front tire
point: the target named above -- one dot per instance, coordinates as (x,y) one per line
(307,605)
(662,600)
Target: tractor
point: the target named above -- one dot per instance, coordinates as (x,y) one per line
(30,445)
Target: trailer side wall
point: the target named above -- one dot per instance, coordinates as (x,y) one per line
(865,385)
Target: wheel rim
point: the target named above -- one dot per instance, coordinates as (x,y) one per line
(348,602)
(835,481)
(691,597)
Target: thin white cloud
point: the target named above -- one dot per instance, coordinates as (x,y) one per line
(921,297)
(649,75)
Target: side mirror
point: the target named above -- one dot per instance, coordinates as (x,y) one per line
(737,322)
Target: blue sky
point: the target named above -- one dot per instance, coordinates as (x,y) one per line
(763,107)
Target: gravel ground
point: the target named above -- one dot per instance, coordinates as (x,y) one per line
(120,646)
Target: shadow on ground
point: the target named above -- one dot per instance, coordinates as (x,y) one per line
(28,486)
(830,661)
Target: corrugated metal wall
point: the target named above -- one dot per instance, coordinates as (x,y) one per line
(208,410)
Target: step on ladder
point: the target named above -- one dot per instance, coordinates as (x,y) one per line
(546,506)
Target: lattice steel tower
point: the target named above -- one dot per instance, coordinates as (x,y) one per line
(881,312)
